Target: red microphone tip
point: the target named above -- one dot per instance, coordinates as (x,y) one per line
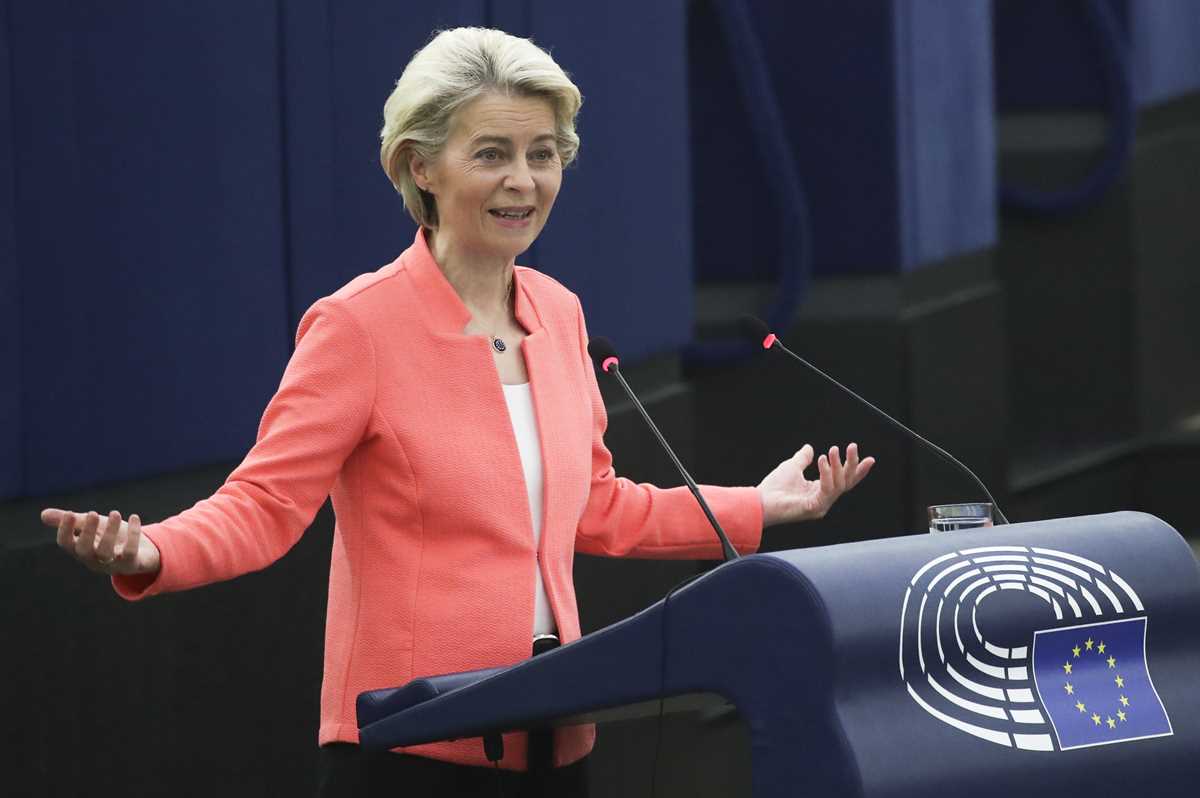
(769,341)
(608,361)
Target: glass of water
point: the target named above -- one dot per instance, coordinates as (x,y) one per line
(966,515)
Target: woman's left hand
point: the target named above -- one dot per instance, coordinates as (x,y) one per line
(787,496)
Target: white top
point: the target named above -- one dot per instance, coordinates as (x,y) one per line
(520,410)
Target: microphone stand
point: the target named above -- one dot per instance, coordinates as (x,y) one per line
(945,455)
(730,553)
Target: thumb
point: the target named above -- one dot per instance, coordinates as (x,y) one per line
(804,457)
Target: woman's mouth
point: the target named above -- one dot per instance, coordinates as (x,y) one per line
(511,213)
(516,217)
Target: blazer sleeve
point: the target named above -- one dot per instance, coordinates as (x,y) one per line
(308,429)
(627,519)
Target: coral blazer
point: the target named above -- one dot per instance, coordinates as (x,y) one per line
(390,408)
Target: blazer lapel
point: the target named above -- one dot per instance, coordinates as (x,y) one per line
(538,351)
(478,401)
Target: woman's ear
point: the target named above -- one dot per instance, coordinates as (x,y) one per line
(419,168)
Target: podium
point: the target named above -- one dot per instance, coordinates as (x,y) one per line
(1035,659)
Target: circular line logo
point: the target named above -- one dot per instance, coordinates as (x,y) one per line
(1079,682)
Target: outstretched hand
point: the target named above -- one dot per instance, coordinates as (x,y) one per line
(787,496)
(114,547)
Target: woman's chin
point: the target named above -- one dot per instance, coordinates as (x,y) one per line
(513,242)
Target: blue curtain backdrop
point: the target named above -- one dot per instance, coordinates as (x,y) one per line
(888,107)
(1047,56)
(180,181)
(149,233)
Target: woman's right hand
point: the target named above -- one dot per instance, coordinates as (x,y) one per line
(114,547)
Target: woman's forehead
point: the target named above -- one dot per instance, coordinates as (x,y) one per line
(495,115)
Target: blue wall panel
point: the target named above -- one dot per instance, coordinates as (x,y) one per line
(187,179)
(620,234)
(946,139)
(831,69)
(149,209)
(1049,56)
(342,61)
(11,333)
(1166,49)
(623,217)
(889,110)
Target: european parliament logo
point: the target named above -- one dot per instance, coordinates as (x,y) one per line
(1080,681)
(1094,683)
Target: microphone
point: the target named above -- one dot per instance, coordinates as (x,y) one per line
(605,357)
(758,330)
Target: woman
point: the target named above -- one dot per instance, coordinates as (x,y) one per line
(447,403)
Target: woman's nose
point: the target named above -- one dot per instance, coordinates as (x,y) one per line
(520,178)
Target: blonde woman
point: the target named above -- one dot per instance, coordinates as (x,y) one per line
(447,403)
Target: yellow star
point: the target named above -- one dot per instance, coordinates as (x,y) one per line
(1070,689)
(1121,715)
(1079,705)
(1124,701)
(1067,667)
(1112,724)
(1075,651)
(1120,680)
(1088,644)
(1095,719)
(1100,648)
(1112,662)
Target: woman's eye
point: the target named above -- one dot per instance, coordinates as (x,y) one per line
(490,154)
(544,155)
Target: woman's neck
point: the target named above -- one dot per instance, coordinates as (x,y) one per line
(481,283)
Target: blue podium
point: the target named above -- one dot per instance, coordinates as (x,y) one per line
(1038,659)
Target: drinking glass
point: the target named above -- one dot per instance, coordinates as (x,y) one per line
(964,515)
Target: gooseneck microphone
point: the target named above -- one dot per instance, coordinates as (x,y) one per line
(605,357)
(758,330)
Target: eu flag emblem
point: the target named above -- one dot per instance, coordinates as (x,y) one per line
(1095,686)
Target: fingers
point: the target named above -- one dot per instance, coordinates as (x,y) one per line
(93,547)
(864,468)
(66,531)
(810,499)
(804,457)
(856,469)
(85,544)
(839,474)
(133,542)
(107,546)
(826,471)
(52,516)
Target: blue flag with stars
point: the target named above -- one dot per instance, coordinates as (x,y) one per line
(1094,683)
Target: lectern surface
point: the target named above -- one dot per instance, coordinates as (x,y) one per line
(1041,659)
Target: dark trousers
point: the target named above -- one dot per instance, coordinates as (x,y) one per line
(346,770)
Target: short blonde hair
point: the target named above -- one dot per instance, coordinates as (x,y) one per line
(455,67)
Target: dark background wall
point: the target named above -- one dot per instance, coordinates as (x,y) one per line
(180,181)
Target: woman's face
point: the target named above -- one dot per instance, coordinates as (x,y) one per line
(496,180)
